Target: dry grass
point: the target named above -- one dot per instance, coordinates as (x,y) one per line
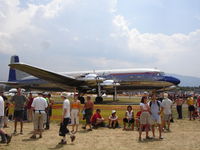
(184,136)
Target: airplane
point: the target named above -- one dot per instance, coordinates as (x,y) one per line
(98,81)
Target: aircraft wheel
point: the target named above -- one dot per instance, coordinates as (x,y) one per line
(98,100)
(82,99)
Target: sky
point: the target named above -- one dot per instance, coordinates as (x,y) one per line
(77,35)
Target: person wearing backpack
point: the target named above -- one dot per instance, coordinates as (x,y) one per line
(155,115)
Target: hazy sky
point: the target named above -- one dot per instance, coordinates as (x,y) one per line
(69,35)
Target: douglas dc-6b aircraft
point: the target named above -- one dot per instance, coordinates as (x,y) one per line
(98,81)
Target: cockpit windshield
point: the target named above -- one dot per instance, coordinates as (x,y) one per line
(160,74)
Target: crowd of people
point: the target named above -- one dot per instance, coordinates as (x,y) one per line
(154,112)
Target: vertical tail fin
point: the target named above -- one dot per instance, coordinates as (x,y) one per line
(14,74)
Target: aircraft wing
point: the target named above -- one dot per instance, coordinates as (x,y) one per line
(47,75)
(9,83)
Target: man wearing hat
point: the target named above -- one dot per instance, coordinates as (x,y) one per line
(65,120)
(4,136)
(166,108)
(39,105)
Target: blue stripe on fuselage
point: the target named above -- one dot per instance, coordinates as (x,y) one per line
(148,76)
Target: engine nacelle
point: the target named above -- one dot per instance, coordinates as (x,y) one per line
(109,83)
(91,76)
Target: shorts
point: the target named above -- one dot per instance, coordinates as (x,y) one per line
(19,114)
(1,122)
(128,121)
(167,117)
(88,115)
(63,127)
(191,108)
(155,119)
(39,120)
(145,118)
(74,116)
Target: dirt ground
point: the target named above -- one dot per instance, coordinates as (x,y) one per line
(184,135)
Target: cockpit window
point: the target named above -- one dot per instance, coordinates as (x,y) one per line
(160,73)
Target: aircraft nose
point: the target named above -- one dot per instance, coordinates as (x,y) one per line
(171,79)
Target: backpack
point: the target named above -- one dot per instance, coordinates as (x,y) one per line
(157,104)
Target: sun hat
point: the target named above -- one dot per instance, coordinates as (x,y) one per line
(113,111)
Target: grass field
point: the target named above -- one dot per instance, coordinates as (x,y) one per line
(106,109)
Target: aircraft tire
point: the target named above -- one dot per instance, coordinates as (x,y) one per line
(81,99)
(98,100)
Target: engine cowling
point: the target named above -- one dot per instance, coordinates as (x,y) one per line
(109,83)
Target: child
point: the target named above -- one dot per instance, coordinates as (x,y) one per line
(113,120)
(129,118)
(137,120)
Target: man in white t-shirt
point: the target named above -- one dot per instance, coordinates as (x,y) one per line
(166,108)
(4,137)
(65,120)
(39,105)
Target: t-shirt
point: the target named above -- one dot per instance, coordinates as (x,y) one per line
(144,106)
(179,101)
(130,114)
(198,102)
(1,106)
(39,103)
(66,105)
(155,106)
(94,117)
(190,101)
(19,101)
(30,101)
(138,114)
(166,104)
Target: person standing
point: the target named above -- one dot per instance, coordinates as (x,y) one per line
(198,105)
(6,110)
(191,108)
(155,108)
(19,101)
(4,136)
(65,120)
(179,102)
(166,108)
(29,110)
(144,117)
(88,110)
(49,110)
(75,109)
(39,105)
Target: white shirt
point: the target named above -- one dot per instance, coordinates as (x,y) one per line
(166,104)
(39,103)
(129,114)
(144,106)
(66,105)
(1,106)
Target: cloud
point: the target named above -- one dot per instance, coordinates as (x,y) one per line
(89,34)
(176,53)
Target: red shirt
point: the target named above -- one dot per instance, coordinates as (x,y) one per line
(30,100)
(94,117)
(138,114)
(198,102)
